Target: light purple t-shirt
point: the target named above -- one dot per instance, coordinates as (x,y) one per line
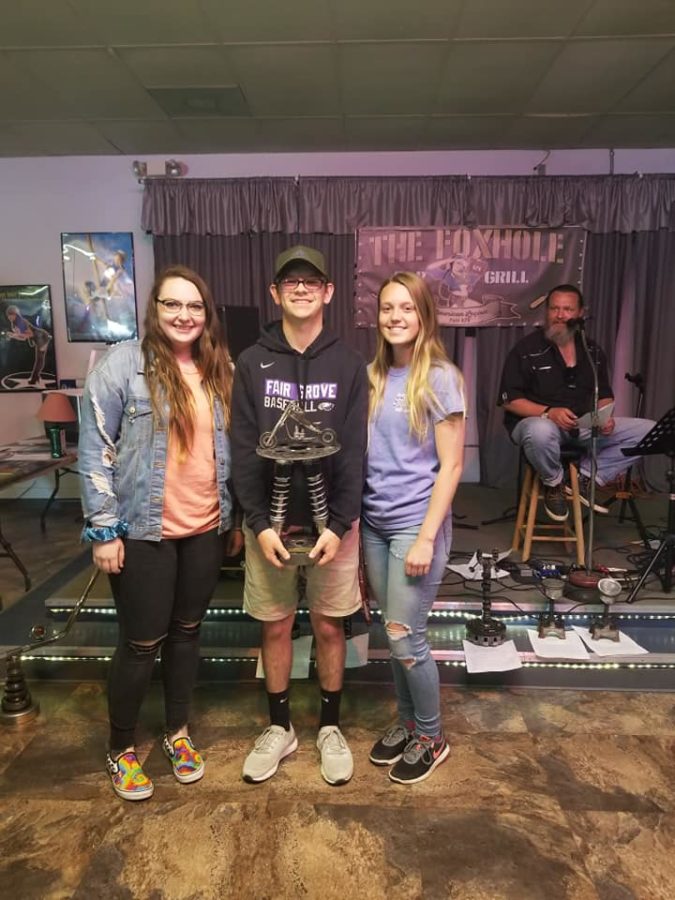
(402,470)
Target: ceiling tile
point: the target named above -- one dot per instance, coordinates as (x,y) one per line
(492,76)
(394,19)
(547,131)
(23,97)
(287,80)
(138,22)
(633,131)
(53,139)
(88,83)
(591,76)
(302,135)
(624,17)
(655,92)
(387,132)
(136,136)
(168,66)
(391,78)
(34,23)
(260,20)
(466,131)
(519,18)
(218,135)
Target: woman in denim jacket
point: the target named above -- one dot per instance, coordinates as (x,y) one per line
(154,460)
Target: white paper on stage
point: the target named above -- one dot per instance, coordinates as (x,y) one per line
(625,646)
(473,571)
(357,651)
(501,658)
(302,648)
(555,648)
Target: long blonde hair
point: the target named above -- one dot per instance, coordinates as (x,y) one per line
(209,352)
(428,351)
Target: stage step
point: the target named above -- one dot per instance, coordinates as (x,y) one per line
(231,640)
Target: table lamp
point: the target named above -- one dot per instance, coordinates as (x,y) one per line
(56,411)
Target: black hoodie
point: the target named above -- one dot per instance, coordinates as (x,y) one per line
(330,380)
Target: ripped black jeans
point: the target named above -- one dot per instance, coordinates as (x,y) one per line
(161,596)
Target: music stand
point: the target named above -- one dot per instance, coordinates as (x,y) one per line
(661,439)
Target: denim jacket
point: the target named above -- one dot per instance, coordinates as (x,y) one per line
(122,455)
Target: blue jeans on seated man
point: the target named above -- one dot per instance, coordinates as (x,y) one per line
(407,601)
(541,439)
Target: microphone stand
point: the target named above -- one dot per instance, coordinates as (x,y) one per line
(595,429)
(586,583)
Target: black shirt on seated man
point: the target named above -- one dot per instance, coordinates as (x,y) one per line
(546,386)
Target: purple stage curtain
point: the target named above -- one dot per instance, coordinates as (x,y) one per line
(219,205)
(340,205)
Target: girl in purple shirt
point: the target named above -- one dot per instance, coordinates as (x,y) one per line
(414,463)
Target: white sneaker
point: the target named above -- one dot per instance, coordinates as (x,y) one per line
(271,747)
(337,765)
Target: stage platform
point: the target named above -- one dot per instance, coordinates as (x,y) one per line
(231,640)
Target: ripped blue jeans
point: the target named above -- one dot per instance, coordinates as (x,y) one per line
(406,601)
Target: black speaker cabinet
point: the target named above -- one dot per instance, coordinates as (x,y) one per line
(241,325)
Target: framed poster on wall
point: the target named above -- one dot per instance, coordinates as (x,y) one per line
(98,285)
(27,357)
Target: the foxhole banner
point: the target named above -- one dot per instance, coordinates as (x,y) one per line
(479,276)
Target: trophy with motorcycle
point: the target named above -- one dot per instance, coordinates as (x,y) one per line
(296,439)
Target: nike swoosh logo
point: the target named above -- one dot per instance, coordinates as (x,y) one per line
(266,365)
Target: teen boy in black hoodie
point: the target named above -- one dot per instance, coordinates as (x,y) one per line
(296,359)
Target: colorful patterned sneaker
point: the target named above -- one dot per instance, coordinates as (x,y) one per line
(271,747)
(187,762)
(337,765)
(129,781)
(389,749)
(419,760)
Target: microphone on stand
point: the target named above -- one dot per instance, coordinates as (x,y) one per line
(637,379)
(579,322)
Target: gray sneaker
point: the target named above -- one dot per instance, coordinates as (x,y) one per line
(271,747)
(389,749)
(337,765)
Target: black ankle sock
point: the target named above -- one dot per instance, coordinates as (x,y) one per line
(280,713)
(330,707)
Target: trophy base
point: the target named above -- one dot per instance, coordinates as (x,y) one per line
(299,547)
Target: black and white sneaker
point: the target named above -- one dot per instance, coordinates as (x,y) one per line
(420,758)
(585,494)
(389,749)
(555,503)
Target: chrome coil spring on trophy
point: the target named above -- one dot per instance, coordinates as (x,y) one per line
(318,500)
(281,489)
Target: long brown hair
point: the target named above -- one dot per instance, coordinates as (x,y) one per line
(210,355)
(428,351)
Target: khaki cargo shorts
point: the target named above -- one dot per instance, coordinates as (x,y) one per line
(271,594)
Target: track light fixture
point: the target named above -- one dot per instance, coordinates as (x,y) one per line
(156,168)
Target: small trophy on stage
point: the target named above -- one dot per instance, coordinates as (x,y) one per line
(295,438)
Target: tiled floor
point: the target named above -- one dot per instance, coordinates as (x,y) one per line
(546,794)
